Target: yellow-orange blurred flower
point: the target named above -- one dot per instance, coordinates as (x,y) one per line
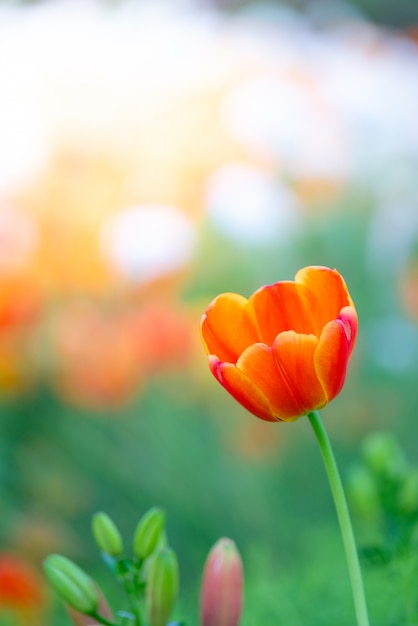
(283,352)
(21,590)
(20,311)
(20,301)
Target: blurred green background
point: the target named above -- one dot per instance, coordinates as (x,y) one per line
(153,156)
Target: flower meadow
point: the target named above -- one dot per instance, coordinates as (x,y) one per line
(208,314)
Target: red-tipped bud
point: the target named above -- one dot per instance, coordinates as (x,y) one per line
(222,586)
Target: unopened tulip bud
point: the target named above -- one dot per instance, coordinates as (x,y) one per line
(162,587)
(106,534)
(222,586)
(72,584)
(384,456)
(148,532)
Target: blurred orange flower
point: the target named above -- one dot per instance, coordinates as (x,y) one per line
(20,302)
(162,334)
(21,589)
(96,365)
(103,356)
(283,352)
(20,311)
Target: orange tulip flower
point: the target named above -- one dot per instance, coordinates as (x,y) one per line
(283,352)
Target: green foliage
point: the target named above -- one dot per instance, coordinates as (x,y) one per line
(388,521)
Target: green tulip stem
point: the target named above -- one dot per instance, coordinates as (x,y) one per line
(101,619)
(343,518)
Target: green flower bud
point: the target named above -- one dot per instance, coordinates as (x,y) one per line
(408,495)
(162,587)
(72,584)
(106,534)
(363,493)
(148,532)
(383,455)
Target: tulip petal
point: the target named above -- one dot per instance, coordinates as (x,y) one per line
(348,316)
(331,358)
(227,327)
(259,363)
(294,355)
(330,291)
(242,388)
(283,306)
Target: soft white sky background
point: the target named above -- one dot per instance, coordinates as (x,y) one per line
(340,102)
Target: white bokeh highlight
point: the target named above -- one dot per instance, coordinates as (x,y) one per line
(144,243)
(249,205)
